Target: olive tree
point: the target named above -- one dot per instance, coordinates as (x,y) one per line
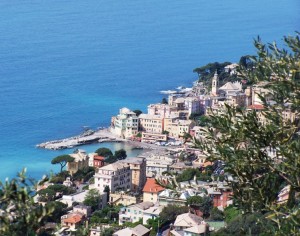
(245,139)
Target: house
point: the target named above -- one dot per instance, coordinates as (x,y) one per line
(122,198)
(188,224)
(151,190)
(98,161)
(133,213)
(117,176)
(83,209)
(158,162)
(81,160)
(152,213)
(79,198)
(138,230)
(72,220)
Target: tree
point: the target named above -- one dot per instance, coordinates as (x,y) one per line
(244,139)
(204,204)
(107,191)
(120,154)
(62,160)
(164,101)
(216,214)
(137,112)
(92,199)
(104,152)
(170,212)
(19,215)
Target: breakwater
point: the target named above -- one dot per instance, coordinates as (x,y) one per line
(87,137)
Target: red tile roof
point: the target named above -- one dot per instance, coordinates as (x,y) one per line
(152,187)
(256,107)
(99,158)
(74,218)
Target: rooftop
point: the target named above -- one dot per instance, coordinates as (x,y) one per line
(152,187)
(187,220)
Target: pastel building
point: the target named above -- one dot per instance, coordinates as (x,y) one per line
(151,190)
(137,166)
(117,176)
(125,124)
(133,213)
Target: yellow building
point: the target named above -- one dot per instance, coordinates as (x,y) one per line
(151,191)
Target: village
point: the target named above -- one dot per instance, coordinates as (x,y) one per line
(172,189)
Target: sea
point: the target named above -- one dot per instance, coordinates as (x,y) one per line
(67,65)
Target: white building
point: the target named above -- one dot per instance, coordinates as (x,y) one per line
(152,213)
(117,176)
(125,124)
(151,123)
(157,163)
(133,213)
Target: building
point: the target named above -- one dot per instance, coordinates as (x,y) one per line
(192,105)
(138,230)
(98,161)
(152,213)
(126,124)
(133,213)
(188,224)
(151,190)
(72,220)
(138,172)
(117,176)
(81,161)
(161,110)
(79,198)
(157,163)
(83,209)
(122,198)
(152,124)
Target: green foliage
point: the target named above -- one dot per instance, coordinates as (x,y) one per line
(60,177)
(19,214)
(62,160)
(154,225)
(231,213)
(204,204)
(188,174)
(46,195)
(139,135)
(59,209)
(108,232)
(170,212)
(62,189)
(120,154)
(242,138)
(205,73)
(248,224)
(137,112)
(164,101)
(109,214)
(92,199)
(204,121)
(195,116)
(84,174)
(216,214)
(132,225)
(104,152)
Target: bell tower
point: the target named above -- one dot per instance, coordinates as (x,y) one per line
(214,85)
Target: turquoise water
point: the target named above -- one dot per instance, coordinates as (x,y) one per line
(68,64)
